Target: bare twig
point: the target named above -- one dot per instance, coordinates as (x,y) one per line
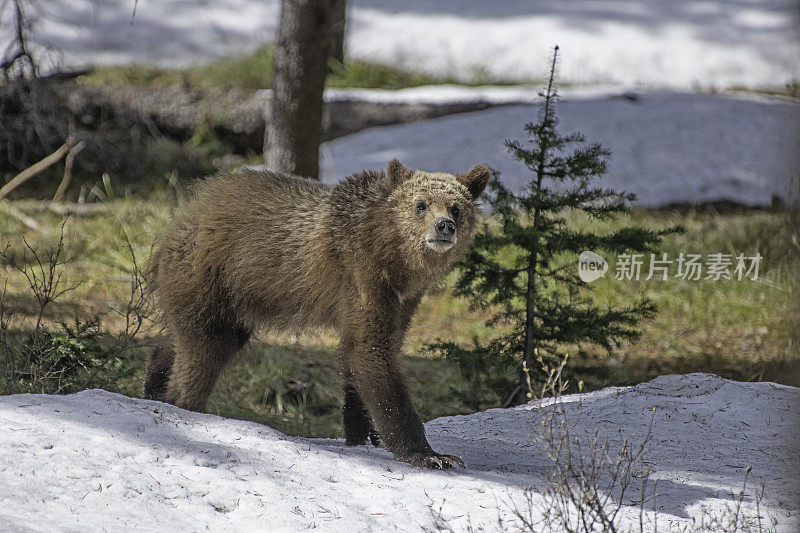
(44,277)
(136,312)
(5,346)
(77,357)
(31,171)
(133,13)
(62,188)
(511,397)
(589,480)
(62,209)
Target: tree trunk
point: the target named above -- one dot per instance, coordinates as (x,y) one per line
(528,350)
(293,134)
(338,30)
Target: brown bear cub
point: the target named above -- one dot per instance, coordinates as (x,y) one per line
(259,249)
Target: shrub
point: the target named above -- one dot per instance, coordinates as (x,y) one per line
(525,270)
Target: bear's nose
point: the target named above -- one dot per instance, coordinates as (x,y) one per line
(445,228)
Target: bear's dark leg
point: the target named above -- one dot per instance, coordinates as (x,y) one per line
(200,356)
(358,427)
(355,418)
(159,369)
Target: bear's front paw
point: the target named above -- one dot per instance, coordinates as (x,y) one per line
(435,460)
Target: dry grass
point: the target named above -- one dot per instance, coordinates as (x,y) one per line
(743,330)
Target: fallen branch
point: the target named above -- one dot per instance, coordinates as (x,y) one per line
(31,171)
(9,209)
(62,187)
(62,209)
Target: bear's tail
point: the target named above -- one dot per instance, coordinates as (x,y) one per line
(159,369)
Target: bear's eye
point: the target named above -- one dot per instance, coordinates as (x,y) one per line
(421,206)
(455,210)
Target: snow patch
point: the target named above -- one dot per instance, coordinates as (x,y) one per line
(680,43)
(667,147)
(97,460)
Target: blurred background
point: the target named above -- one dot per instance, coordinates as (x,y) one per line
(109,109)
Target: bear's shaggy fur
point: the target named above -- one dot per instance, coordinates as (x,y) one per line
(258,249)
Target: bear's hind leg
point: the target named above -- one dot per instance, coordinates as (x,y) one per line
(159,369)
(358,427)
(199,359)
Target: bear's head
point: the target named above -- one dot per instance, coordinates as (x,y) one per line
(435,212)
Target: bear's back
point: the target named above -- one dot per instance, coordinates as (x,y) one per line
(260,237)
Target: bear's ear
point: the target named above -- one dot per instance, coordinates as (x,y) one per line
(397,172)
(475,181)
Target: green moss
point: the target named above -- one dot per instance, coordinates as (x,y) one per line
(253,71)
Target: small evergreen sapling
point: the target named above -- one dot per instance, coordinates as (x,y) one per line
(525,270)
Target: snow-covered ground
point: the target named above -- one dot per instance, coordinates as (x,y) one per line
(666,147)
(676,43)
(101,461)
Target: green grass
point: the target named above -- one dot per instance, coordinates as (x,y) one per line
(297,389)
(790,89)
(253,71)
(745,330)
